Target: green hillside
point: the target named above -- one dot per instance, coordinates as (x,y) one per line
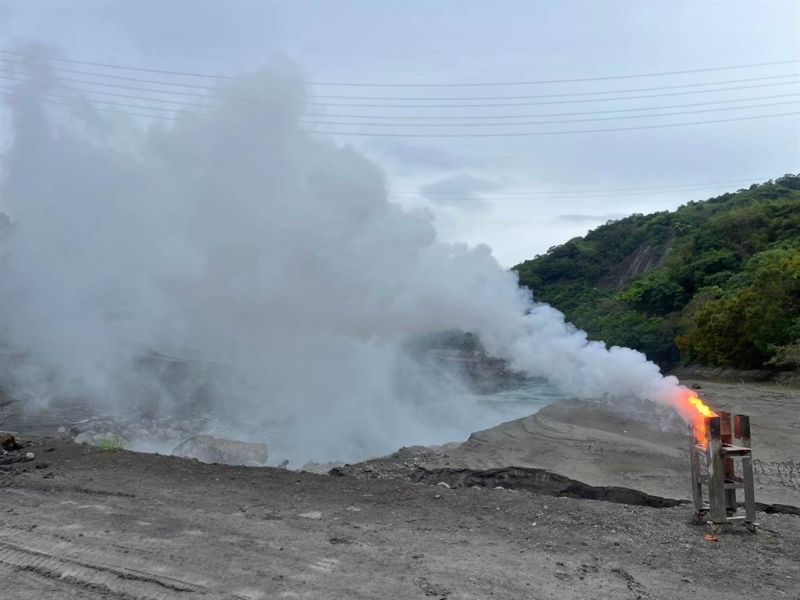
(715,282)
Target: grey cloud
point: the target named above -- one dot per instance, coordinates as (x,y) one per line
(461,191)
(417,155)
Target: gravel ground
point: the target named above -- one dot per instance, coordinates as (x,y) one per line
(81,523)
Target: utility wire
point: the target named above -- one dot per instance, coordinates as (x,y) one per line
(114,94)
(578,101)
(544,133)
(550,122)
(465,135)
(418,85)
(108,110)
(561,95)
(415,106)
(75,99)
(423,117)
(123,67)
(539,115)
(112,85)
(27,71)
(414,125)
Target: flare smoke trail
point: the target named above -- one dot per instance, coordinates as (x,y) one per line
(265,248)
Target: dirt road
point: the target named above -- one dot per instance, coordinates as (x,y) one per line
(80,523)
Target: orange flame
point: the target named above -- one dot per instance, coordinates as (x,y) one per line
(695,411)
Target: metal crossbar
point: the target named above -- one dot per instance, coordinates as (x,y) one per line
(722,465)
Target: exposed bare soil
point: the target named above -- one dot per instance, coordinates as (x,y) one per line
(81,523)
(604,445)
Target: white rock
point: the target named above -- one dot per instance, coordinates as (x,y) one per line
(314,514)
(444,484)
(84,438)
(29,456)
(499,487)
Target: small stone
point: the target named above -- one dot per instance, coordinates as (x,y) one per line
(84,438)
(29,456)
(444,484)
(313,514)
(437,496)
(499,487)
(353,509)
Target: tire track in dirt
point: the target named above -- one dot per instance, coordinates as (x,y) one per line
(111,580)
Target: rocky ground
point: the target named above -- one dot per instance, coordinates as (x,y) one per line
(81,522)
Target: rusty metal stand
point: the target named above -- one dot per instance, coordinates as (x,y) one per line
(713,467)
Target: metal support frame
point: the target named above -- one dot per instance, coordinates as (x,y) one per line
(714,468)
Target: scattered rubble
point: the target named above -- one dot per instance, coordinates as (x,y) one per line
(11,450)
(9,443)
(208,449)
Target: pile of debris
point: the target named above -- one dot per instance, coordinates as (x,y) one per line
(167,435)
(120,432)
(12,451)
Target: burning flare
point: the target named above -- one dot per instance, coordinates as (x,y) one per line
(695,412)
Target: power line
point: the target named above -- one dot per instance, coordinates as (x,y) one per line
(578,101)
(113,94)
(551,122)
(544,133)
(562,95)
(468,135)
(107,76)
(421,117)
(420,85)
(415,106)
(108,110)
(406,98)
(527,116)
(406,124)
(112,85)
(124,67)
(118,104)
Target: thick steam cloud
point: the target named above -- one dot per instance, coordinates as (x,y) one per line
(241,239)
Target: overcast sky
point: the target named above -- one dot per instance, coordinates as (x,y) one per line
(519,194)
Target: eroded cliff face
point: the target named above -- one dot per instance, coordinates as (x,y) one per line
(645,258)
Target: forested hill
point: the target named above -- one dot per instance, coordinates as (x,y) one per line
(715,282)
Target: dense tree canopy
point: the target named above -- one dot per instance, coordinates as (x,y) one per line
(715,282)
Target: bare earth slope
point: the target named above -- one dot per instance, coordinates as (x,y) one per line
(79,523)
(600,446)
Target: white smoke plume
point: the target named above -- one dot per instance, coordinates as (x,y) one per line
(264,248)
